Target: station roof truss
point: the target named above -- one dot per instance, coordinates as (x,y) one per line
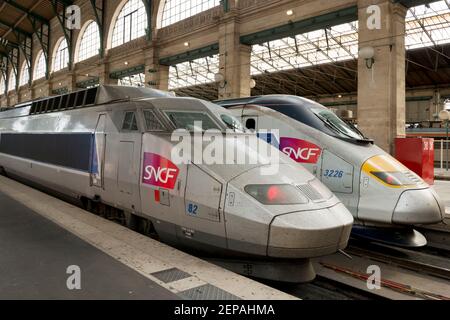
(21,19)
(324,61)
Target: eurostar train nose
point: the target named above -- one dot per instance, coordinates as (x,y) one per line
(419,207)
(310,233)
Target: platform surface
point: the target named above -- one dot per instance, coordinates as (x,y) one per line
(442,174)
(35,254)
(443,190)
(41,236)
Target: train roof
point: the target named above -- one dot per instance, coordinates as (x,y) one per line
(303,110)
(281,100)
(83,98)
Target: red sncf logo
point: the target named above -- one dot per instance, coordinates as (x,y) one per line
(159,171)
(300,150)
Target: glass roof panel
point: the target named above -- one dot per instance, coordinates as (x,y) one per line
(191,73)
(425,25)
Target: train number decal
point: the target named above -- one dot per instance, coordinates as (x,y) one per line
(333,173)
(159,171)
(192,209)
(300,150)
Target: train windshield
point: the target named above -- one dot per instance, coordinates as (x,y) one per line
(336,124)
(232,123)
(191,120)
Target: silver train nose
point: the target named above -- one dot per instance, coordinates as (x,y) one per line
(310,233)
(419,207)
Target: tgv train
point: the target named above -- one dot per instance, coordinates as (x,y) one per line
(379,191)
(112,147)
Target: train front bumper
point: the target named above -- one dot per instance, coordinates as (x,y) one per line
(310,233)
(419,207)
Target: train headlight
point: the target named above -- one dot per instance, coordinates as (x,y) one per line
(276,194)
(389,171)
(395,179)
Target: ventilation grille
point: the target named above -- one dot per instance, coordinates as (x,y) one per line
(413,177)
(207,292)
(171,275)
(79,99)
(310,192)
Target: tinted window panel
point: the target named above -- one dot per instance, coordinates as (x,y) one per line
(152,122)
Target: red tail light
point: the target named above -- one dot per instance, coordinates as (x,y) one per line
(276,194)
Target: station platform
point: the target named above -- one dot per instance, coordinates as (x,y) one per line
(42,238)
(443,190)
(441,174)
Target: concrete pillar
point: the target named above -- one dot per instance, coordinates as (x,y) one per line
(156,75)
(381,89)
(234,60)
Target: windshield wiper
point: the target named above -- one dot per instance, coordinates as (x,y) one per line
(333,126)
(357,130)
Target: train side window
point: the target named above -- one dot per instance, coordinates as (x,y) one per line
(130,122)
(250,124)
(152,122)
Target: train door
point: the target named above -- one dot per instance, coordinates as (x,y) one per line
(98,154)
(203,220)
(339,176)
(128,163)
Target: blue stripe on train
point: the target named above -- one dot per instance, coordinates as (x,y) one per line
(270,138)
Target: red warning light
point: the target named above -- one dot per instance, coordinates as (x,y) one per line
(273,193)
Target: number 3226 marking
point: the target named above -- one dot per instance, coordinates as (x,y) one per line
(333,173)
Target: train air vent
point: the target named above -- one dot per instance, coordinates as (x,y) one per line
(91,95)
(33,108)
(44,106)
(80,98)
(50,105)
(56,103)
(40,106)
(310,192)
(64,100)
(412,176)
(72,98)
(67,101)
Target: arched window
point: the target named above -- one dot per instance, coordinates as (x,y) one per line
(61,56)
(89,43)
(177,10)
(12,81)
(2,85)
(130,24)
(24,75)
(40,67)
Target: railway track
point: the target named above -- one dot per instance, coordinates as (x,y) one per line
(426,261)
(438,237)
(337,282)
(323,288)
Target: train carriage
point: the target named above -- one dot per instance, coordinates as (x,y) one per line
(386,199)
(111,147)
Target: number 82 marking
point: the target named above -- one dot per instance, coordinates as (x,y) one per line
(192,208)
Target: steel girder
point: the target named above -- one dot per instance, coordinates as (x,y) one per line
(148,9)
(98,8)
(62,19)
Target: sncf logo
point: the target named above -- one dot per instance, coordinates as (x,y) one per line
(300,150)
(159,171)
